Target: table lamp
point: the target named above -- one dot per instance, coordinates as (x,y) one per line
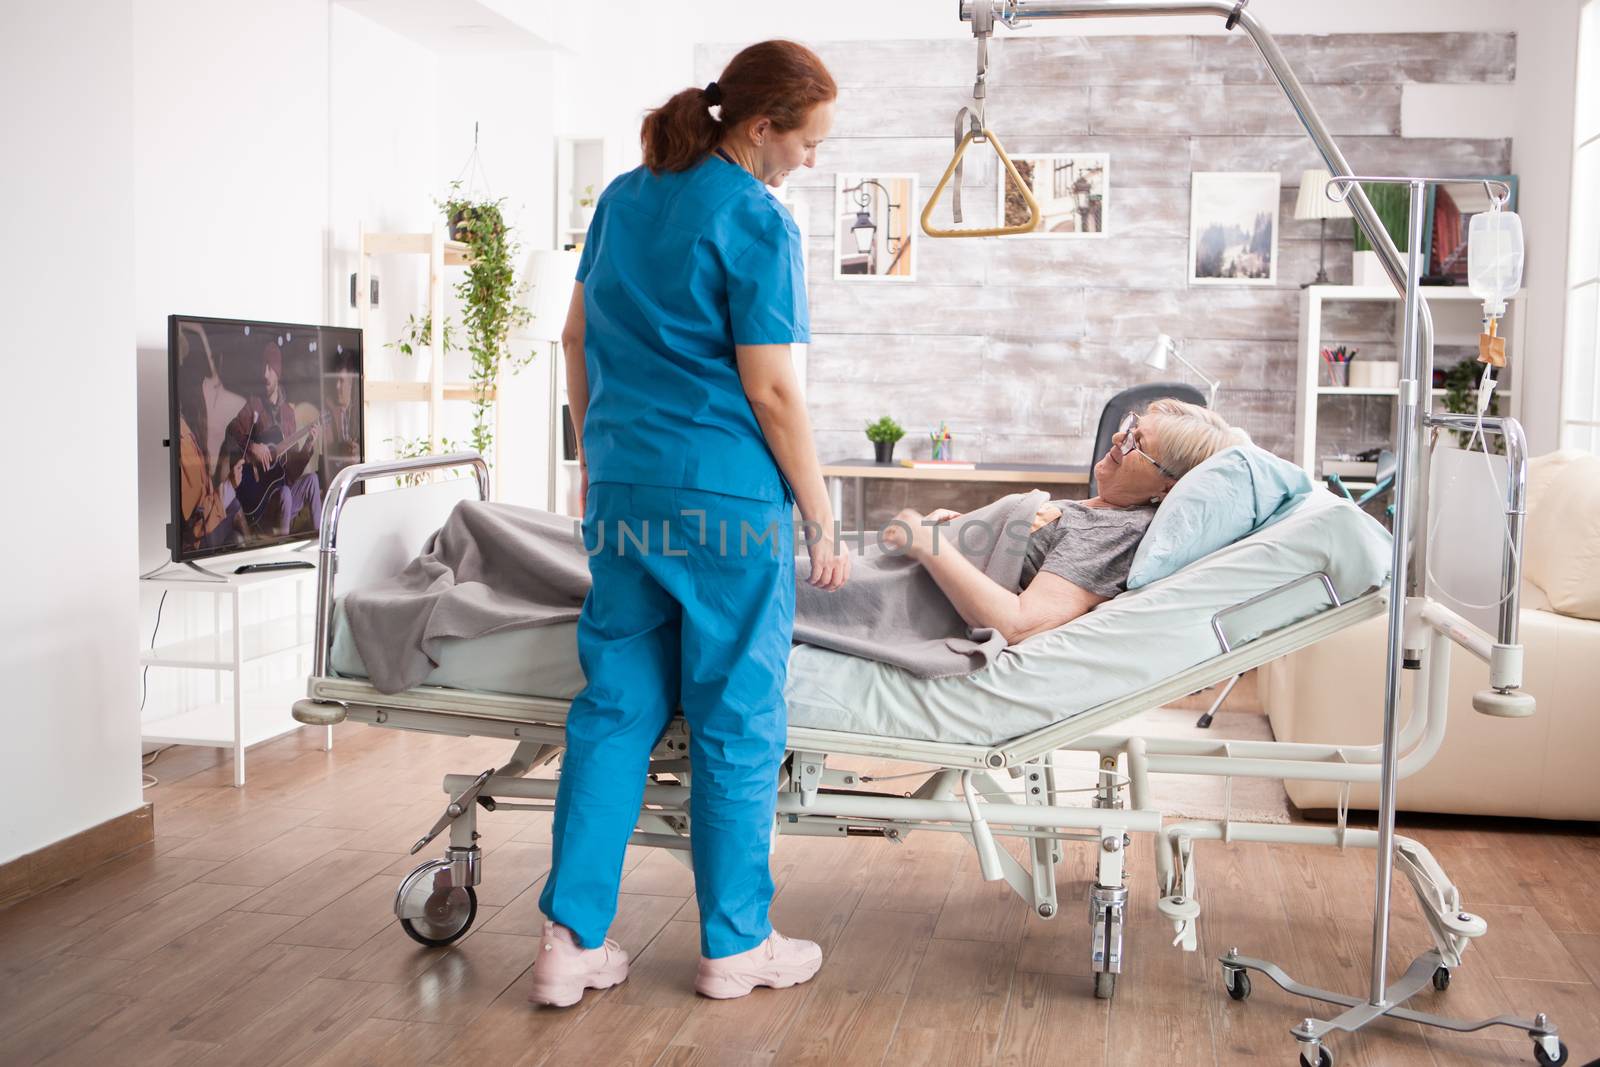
(1313,203)
(1164,347)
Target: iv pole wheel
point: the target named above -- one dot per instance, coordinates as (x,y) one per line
(1441,979)
(1324,1058)
(1237,983)
(1544,1059)
(1105,985)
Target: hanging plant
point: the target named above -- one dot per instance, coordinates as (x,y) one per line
(488,294)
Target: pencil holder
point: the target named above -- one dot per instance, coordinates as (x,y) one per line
(1336,375)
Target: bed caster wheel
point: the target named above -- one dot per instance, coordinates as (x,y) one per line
(1544,1059)
(1105,985)
(1237,983)
(1441,978)
(432,911)
(1324,1058)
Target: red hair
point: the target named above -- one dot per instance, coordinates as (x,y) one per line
(779,79)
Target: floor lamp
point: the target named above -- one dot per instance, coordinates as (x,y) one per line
(1313,203)
(549,277)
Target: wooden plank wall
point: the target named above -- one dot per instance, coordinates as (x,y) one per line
(1016,342)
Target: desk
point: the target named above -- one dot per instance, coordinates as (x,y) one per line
(1031,474)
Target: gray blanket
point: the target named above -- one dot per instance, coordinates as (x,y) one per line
(496,567)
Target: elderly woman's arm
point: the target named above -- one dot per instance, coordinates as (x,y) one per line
(1049,601)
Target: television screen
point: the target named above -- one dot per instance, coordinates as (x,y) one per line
(263,415)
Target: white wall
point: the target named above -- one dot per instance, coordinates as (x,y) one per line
(70,756)
(382,102)
(231,188)
(1541,155)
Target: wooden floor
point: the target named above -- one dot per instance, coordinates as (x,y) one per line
(257,930)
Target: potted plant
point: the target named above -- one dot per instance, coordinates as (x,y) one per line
(583,214)
(462,213)
(883,434)
(488,294)
(1393,205)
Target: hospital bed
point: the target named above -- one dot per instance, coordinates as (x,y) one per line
(984,744)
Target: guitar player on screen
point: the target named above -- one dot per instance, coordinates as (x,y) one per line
(278,481)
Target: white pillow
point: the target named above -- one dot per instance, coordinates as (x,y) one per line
(1234,493)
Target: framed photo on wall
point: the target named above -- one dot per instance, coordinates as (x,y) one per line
(1072,189)
(874,227)
(1449,212)
(1233,228)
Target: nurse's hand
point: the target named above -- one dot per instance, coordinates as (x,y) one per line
(830,563)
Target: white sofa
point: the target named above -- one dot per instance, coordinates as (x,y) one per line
(1546,766)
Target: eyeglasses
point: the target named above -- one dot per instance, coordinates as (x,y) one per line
(1130,424)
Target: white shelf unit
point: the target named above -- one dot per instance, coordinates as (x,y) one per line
(435,390)
(1456,321)
(238,717)
(582,163)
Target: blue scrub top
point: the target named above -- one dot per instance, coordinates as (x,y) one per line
(677,269)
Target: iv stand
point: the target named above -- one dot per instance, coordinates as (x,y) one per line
(1408,568)
(1416,368)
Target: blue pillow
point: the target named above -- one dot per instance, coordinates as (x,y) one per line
(1231,495)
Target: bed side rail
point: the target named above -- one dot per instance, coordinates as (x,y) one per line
(334,510)
(1268,646)
(1241,610)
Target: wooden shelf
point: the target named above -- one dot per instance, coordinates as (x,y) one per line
(390,389)
(386,244)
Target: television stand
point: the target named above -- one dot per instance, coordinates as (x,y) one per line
(261,622)
(201,574)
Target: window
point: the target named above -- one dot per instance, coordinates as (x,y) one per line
(1580,375)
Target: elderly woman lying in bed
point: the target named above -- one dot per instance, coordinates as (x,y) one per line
(1079,551)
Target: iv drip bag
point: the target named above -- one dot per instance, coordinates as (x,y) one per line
(1494,258)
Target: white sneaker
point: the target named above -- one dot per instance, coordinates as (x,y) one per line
(779,962)
(564,968)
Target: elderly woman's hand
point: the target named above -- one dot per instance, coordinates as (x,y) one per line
(1044,517)
(910,532)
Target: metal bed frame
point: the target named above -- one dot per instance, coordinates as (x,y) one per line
(962,792)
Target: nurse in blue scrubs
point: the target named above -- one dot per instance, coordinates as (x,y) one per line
(696,449)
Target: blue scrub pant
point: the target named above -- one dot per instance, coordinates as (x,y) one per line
(699,620)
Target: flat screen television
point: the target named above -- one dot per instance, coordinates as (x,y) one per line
(262,416)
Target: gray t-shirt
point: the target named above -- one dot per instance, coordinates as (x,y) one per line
(1090,547)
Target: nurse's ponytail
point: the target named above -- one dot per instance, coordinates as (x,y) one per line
(779,79)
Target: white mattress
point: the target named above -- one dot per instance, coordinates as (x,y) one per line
(1122,646)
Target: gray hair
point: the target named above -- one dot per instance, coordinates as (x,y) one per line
(1190,434)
